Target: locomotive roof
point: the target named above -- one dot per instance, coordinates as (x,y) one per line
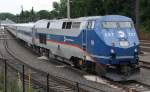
(43,22)
(26,24)
(102,18)
(115,18)
(23,24)
(83,18)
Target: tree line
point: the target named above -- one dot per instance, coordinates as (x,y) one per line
(80,8)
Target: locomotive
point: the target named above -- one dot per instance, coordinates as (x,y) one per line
(107,45)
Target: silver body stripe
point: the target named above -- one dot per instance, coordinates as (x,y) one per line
(118,57)
(104,57)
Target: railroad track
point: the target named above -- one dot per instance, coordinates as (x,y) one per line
(145,45)
(57,84)
(130,86)
(145,64)
(145,41)
(135,86)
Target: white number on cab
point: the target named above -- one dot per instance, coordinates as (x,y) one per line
(131,34)
(109,34)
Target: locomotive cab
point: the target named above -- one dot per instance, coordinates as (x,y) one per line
(118,47)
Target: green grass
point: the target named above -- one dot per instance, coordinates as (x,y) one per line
(14,84)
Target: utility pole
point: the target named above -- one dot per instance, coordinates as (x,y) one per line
(21,14)
(137,18)
(22,9)
(68,9)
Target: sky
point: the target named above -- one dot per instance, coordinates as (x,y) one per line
(14,6)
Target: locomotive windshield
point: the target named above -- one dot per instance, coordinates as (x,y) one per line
(109,24)
(125,24)
(117,24)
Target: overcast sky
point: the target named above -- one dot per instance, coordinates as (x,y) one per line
(14,6)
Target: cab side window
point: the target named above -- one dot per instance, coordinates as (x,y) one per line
(91,25)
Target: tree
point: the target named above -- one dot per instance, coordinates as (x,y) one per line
(80,8)
(4,16)
(33,14)
(56,6)
(144,14)
(43,14)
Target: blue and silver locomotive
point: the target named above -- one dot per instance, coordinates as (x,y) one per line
(107,45)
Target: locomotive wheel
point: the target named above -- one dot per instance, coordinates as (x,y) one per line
(81,64)
(88,66)
(76,62)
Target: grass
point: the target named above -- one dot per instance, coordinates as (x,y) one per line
(14,84)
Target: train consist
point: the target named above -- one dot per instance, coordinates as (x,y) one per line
(107,45)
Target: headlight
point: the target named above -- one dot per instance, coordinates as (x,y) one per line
(136,53)
(135,50)
(113,55)
(112,51)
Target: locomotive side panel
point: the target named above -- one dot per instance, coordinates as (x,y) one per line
(63,42)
